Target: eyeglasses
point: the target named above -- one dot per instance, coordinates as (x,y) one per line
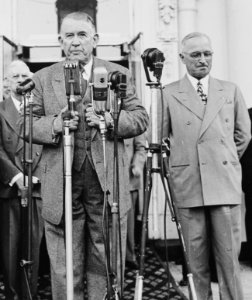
(197,54)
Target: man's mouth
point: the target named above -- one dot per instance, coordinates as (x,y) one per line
(203,66)
(75,51)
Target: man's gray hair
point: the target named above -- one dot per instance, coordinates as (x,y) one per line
(15,63)
(191,36)
(79,15)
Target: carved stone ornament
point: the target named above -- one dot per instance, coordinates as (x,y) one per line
(167,16)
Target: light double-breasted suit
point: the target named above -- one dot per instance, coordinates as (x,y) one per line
(206,144)
(11,157)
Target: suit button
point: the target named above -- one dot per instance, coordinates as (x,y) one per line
(188,123)
(37,153)
(224,162)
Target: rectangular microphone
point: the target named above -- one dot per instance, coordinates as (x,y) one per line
(72,78)
(100,89)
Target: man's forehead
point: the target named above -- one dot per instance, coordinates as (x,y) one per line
(23,70)
(69,25)
(198,43)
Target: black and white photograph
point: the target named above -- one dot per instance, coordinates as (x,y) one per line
(125,150)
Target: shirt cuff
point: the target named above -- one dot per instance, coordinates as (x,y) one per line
(109,121)
(15,178)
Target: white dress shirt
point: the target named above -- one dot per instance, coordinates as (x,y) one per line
(204,81)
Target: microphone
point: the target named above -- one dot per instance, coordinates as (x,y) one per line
(72,78)
(26,86)
(100,90)
(72,84)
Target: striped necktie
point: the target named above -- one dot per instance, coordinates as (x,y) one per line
(201,93)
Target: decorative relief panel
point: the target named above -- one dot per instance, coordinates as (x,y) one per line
(167,38)
(167,30)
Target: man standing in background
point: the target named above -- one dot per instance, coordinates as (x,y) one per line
(208,125)
(135,148)
(11,185)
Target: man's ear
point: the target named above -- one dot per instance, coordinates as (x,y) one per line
(60,39)
(96,39)
(182,57)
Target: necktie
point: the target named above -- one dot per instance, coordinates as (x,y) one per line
(83,82)
(21,106)
(201,93)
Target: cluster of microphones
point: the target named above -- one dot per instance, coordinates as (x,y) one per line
(103,81)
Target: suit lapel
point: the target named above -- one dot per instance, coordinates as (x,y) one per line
(188,97)
(58,83)
(10,114)
(216,99)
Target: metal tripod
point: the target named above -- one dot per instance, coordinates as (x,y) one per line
(151,180)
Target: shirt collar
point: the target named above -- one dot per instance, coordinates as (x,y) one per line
(204,81)
(17,103)
(88,69)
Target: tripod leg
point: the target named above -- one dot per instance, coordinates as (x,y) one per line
(147,193)
(175,213)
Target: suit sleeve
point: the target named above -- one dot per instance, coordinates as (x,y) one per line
(242,133)
(133,118)
(7,168)
(42,123)
(139,155)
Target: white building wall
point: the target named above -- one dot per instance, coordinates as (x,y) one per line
(163,23)
(20,20)
(239,16)
(6,18)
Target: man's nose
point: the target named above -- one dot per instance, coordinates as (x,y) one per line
(76,40)
(20,79)
(202,57)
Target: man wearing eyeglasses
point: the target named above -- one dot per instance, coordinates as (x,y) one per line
(208,125)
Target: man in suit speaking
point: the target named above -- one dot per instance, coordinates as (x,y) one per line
(78,38)
(209,129)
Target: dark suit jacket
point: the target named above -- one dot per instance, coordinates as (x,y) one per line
(11,150)
(246,162)
(135,148)
(49,99)
(206,146)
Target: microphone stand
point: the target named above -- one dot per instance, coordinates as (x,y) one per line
(106,235)
(72,85)
(175,214)
(119,86)
(151,179)
(153,59)
(27,204)
(68,145)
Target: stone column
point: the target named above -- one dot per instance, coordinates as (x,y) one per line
(239,34)
(187,17)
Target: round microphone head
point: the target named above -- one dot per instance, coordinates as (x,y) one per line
(26,86)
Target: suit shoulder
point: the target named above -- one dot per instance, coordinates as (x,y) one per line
(227,84)
(172,86)
(2,105)
(111,66)
(44,72)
